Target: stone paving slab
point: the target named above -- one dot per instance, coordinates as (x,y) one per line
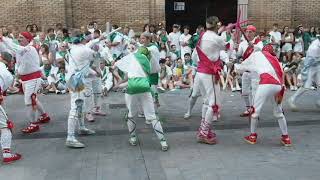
(111,157)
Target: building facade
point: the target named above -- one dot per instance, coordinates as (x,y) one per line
(136,13)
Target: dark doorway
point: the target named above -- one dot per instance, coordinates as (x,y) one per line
(194,12)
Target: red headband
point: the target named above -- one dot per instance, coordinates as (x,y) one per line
(27,35)
(251,28)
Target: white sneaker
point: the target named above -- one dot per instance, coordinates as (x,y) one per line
(86,131)
(186,116)
(141,115)
(161,89)
(148,122)
(233,89)
(238,88)
(295,88)
(74,144)
(291,88)
(133,140)
(164,145)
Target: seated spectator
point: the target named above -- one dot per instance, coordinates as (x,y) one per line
(290,71)
(181,75)
(174,54)
(189,67)
(233,79)
(163,51)
(44,54)
(60,86)
(47,71)
(165,76)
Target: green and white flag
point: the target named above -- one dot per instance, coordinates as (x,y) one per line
(137,66)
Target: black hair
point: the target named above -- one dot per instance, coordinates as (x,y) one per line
(50,30)
(97,31)
(162,61)
(186,27)
(187,54)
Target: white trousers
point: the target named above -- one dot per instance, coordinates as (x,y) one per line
(73,107)
(96,85)
(264,93)
(209,91)
(146,101)
(76,116)
(88,94)
(3,119)
(250,82)
(30,87)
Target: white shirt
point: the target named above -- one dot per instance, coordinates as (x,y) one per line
(211,45)
(174,39)
(185,39)
(276,36)
(28,60)
(117,50)
(244,45)
(257,63)
(314,49)
(6,78)
(155,58)
(80,56)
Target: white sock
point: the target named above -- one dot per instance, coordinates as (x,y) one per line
(157,127)
(253,125)
(32,114)
(71,128)
(131,126)
(96,100)
(283,126)
(204,110)
(246,100)
(81,123)
(6,137)
(40,107)
(192,102)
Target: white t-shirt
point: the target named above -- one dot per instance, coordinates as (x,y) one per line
(174,39)
(117,50)
(185,39)
(276,36)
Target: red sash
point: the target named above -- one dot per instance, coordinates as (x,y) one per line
(1,96)
(277,68)
(31,76)
(205,65)
(250,49)
(275,64)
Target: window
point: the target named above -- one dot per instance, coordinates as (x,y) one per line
(179,6)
